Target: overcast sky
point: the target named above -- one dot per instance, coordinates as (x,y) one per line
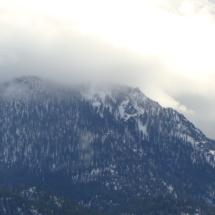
(164,47)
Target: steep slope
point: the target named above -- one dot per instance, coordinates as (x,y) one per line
(101,145)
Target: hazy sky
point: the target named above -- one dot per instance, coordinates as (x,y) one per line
(164,47)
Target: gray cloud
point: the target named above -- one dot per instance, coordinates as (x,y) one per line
(69,56)
(204,114)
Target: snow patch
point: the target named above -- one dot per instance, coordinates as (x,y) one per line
(170,188)
(96,104)
(212,152)
(122,108)
(142,127)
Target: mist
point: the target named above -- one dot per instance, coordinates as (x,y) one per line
(164,48)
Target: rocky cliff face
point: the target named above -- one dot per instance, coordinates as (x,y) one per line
(101,139)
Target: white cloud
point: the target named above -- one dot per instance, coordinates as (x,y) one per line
(8,57)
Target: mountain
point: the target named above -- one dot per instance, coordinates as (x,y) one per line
(102,145)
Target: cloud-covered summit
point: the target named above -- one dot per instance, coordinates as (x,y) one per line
(163,47)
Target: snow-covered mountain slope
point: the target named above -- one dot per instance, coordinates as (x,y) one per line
(126,103)
(108,138)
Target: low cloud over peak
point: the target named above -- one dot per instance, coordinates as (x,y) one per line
(163,47)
